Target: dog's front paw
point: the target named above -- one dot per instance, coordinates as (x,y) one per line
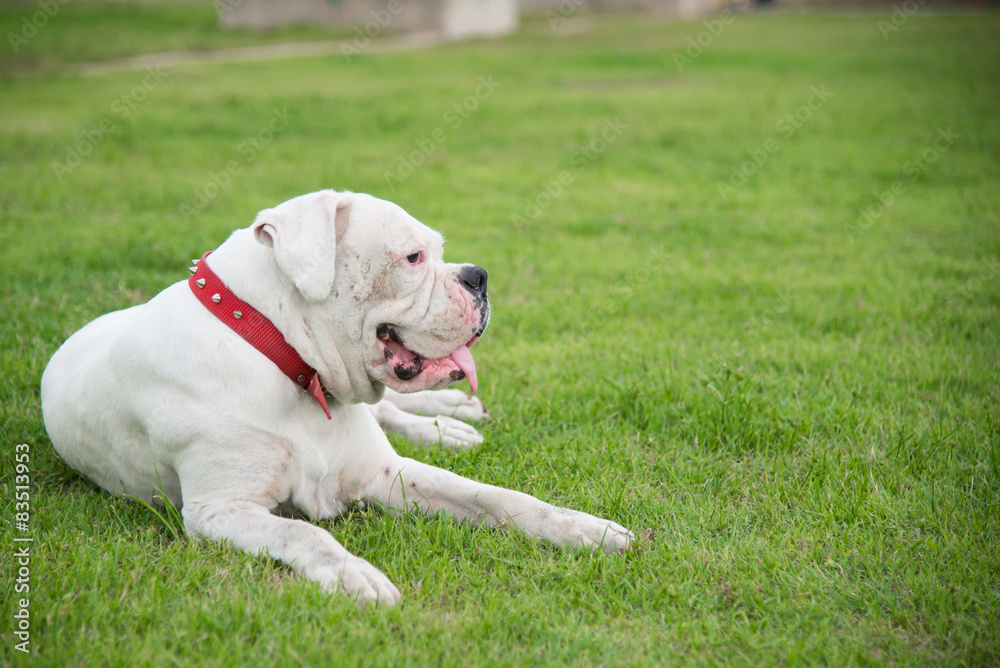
(361,581)
(460,406)
(442,430)
(471,410)
(589,531)
(453,433)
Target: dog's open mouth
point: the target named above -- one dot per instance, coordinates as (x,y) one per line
(407,365)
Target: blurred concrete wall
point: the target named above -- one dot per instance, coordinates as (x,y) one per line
(656,7)
(449,18)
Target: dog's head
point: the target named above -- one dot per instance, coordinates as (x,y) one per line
(378,302)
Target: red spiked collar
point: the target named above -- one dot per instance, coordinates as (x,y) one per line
(258,331)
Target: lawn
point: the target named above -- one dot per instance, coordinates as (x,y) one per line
(745,303)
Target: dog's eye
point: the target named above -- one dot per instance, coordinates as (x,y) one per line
(413,258)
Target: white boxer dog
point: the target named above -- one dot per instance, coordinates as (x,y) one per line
(236,393)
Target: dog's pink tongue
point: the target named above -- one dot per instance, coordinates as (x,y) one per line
(463,359)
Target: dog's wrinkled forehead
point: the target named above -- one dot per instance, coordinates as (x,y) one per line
(319,237)
(378,224)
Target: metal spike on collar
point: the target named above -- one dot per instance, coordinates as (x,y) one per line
(200,282)
(193,270)
(216,298)
(194,262)
(237,314)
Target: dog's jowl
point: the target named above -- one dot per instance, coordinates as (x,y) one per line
(243,387)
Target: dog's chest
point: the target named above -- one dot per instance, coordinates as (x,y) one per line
(330,462)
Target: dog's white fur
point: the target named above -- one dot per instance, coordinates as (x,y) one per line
(432,416)
(165,398)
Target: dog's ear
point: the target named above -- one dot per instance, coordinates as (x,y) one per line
(303,233)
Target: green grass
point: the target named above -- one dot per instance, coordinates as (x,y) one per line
(801,414)
(82,32)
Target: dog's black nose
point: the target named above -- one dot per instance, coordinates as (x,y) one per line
(473,278)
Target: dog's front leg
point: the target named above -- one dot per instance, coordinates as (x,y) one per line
(453,403)
(432,489)
(442,429)
(307,549)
